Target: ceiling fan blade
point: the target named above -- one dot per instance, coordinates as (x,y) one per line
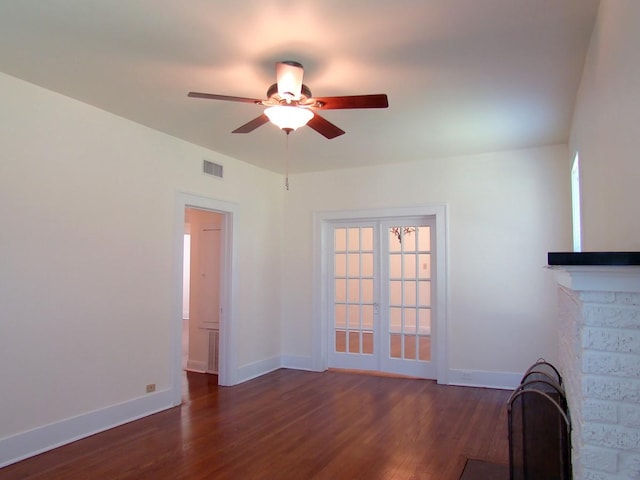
(289,78)
(213,96)
(352,101)
(252,125)
(325,127)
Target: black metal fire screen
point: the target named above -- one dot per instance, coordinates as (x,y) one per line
(539,426)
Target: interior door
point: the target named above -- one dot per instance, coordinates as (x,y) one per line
(210,275)
(381,281)
(353,286)
(204,290)
(407,301)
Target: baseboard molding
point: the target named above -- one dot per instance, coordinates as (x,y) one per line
(296,362)
(41,439)
(480,378)
(27,444)
(465,378)
(257,369)
(196,366)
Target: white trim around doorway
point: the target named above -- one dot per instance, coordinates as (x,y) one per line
(322,220)
(228,373)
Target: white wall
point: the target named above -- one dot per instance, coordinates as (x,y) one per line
(87,212)
(606,130)
(506,211)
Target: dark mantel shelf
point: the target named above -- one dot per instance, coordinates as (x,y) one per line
(594,258)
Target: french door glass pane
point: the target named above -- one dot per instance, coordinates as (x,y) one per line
(354,316)
(424,352)
(410,349)
(354,342)
(395,345)
(367,238)
(341,316)
(424,320)
(354,265)
(341,290)
(394,239)
(410,320)
(367,317)
(409,297)
(395,265)
(340,239)
(367,264)
(424,294)
(425,265)
(395,292)
(367,290)
(353,290)
(353,239)
(409,265)
(340,268)
(424,239)
(367,343)
(341,341)
(395,319)
(409,239)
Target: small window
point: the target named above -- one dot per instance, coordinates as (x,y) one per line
(575,204)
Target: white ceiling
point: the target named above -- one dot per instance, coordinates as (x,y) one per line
(462,76)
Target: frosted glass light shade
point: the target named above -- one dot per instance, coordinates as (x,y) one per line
(288,117)
(289,76)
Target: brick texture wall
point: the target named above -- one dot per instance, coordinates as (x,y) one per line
(600,364)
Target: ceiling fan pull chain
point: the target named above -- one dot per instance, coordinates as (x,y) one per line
(286,178)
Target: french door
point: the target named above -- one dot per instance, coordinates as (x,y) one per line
(381,290)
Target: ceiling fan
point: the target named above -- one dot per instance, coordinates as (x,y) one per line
(290,104)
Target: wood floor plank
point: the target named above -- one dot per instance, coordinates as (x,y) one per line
(294,425)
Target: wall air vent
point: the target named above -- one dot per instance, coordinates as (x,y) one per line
(211,168)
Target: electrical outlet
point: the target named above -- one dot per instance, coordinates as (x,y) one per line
(151,387)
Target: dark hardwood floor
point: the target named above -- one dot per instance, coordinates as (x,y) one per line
(294,425)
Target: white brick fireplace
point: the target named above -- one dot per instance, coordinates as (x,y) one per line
(600,364)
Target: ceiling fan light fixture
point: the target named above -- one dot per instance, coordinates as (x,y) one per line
(288,117)
(289,75)
(290,104)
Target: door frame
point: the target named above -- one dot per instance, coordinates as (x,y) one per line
(228,336)
(322,222)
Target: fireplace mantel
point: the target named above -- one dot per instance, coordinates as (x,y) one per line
(594,258)
(594,278)
(597,271)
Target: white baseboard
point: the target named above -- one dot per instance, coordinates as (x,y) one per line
(196,366)
(27,444)
(479,378)
(257,369)
(41,439)
(466,378)
(296,362)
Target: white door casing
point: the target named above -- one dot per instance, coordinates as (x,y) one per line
(228,339)
(323,318)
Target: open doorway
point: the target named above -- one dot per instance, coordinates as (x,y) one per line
(202,284)
(223,303)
